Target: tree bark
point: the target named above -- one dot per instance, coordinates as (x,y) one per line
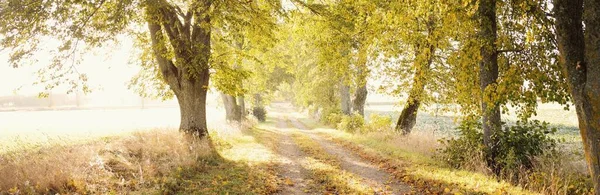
(257,100)
(345,99)
(187,72)
(580,60)
(488,72)
(241,101)
(192,107)
(232,109)
(360,97)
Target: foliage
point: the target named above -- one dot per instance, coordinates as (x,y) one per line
(334,118)
(516,147)
(331,116)
(260,113)
(459,152)
(378,123)
(352,124)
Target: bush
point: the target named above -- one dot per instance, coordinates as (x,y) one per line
(352,123)
(460,153)
(331,116)
(515,148)
(378,123)
(518,145)
(260,113)
(334,118)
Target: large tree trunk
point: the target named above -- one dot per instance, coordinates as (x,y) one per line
(187,72)
(408,117)
(192,107)
(360,97)
(232,109)
(345,99)
(488,69)
(241,101)
(488,74)
(580,59)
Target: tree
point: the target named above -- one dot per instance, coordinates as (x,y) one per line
(488,70)
(179,34)
(415,53)
(512,43)
(344,48)
(579,48)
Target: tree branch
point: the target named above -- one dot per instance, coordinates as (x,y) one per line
(166,66)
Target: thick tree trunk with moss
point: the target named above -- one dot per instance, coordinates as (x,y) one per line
(488,73)
(580,59)
(232,109)
(187,72)
(345,99)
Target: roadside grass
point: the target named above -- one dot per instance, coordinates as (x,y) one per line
(325,171)
(562,173)
(160,161)
(411,160)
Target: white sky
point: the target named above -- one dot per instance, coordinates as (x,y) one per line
(108,71)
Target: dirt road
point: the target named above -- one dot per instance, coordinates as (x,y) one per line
(293,164)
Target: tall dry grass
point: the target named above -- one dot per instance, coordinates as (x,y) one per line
(560,173)
(130,163)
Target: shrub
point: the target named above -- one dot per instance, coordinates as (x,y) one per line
(260,113)
(524,155)
(331,116)
(352,123)
(515,148)
(460,152)
(334,118)
(377,123)
(518,145)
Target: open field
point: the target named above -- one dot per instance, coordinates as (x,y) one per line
(443,124)
(22,129)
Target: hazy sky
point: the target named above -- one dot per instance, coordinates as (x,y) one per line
(108,71)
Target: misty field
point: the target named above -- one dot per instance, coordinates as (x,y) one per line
(23,129)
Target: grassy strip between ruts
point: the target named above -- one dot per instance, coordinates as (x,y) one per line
(325,170)
(420,171)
